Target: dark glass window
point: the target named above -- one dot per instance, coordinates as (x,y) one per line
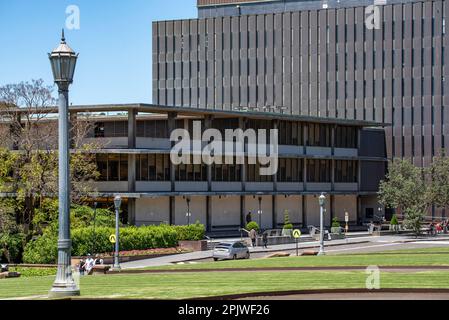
(318,135)
(99,130)
(102,166)
(346,171)
(123,167)
(318,171)
(346,137)
(113,167)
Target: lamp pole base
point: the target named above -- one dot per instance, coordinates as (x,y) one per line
(321,253)
(61,291)
(116,268)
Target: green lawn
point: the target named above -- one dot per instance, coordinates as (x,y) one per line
(189,285)
(433,257)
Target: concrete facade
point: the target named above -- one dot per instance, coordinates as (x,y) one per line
(315,58)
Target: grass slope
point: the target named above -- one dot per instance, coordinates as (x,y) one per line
(182,286)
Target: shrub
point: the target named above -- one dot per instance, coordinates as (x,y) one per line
(43,250)
(394,220)
(193,232)
(252,225)
(335,223)
(287,224)
(11,246)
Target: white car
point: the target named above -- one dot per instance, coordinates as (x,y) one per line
(231,250)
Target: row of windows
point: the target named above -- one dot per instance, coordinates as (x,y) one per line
(156,167)
(290,133)
(112,167)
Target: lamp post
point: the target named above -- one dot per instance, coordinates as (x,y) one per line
(95,222)
(188,214)
(259,212)
(63,62)
(117,204)
(322,201)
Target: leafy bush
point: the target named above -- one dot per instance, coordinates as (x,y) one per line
(394,220)
(194,232)
(26,272)
(287,224)
(252,225)
(84,241)
(11,246)
(43,250)
(335,223)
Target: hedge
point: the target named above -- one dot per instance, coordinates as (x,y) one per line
(44,249)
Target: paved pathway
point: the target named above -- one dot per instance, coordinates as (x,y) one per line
(345,245)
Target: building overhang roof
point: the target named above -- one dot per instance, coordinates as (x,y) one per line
(199,112)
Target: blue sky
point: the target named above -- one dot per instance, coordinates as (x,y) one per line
(114,42)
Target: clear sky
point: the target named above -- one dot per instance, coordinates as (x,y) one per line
(114,42)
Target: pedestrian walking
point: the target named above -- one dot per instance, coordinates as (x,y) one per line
(265,240)
(253,236)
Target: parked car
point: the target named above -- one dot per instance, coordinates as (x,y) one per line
(231,250)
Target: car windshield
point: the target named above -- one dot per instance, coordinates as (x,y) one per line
(223,245)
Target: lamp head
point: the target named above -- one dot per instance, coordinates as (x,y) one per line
(117,202)
(322,199)
(63,61)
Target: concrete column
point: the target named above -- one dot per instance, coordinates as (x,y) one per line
(242,212)
(132,211)
(131,173)
(333,174)
(359,209)
(304,212)
(332,206)
(275,186)
(208,214)
(304,174)
(172,211)
(208,125)
(171,127)
(132,128)
(242,125)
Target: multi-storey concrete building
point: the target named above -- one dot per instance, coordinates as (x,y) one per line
(343,158)
(315,58)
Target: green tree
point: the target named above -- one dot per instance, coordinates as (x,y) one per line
(287,224)
(414,219)
(438,192)
(31,170)
(404,187)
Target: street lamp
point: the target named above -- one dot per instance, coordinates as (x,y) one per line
(117,204)
(322,201)
(188,214)
(95,222)
(63,62)
(259,212)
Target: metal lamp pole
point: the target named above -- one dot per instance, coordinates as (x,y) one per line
(117,204)
(188,211)
(63,62)
(260,213)
(322,201)
(95,222)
